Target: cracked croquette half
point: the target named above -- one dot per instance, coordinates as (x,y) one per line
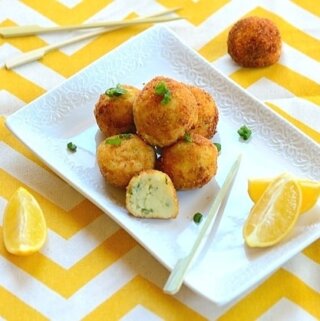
(151,194)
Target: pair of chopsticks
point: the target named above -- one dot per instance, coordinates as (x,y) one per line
(106,26)
(176,277)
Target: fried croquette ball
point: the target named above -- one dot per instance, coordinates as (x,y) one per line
(151,194)
(164,110)
(191,162)
(120,157)
(254,42)
(208,114)
(113,111)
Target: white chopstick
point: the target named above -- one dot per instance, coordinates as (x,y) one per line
(18,31)
(176,277)
(36,54)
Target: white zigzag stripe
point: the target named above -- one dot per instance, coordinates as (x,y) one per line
(192,35)
(157,274)
(290,57)
(36,72)
(111,12)
(5,52)
(9,103)
(137,260)
(66,253)
(3,204)
(225,65)
(28,172)
(22,14)
(305,269)
(197,37)
(267,90)
(140,313)
(27,288)
(70,3)
(116,10)
(299,108)
(295,15)
(55,307)
(13,9)
(286,310)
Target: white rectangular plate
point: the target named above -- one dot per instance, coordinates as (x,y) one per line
(225,267)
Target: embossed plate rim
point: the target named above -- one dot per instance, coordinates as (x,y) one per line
(41,134)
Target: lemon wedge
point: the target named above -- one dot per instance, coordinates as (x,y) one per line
(24,225)
(274,215)
(310,191)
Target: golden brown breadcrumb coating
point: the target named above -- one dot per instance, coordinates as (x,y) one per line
(114,114)
(120,157)
(208,114)
(254,42)
(160,123)
(190,163)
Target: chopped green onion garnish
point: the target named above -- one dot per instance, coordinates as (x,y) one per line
(244,132)
(72,147)
(116,140)
(162,90)
(218,146)
(166,98)
(197,218)
(187,137)
(116,91)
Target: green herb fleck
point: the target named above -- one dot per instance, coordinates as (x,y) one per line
(162,90)
(244,132)
(116,91)
(218,146)
(197,217)
(187,137)
(117,140)
(72,147)
(147,210)
(125,136)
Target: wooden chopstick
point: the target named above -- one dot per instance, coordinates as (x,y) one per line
(176,277)
(36,54)
(18,31)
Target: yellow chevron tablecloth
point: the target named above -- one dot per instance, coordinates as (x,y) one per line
(90,268)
